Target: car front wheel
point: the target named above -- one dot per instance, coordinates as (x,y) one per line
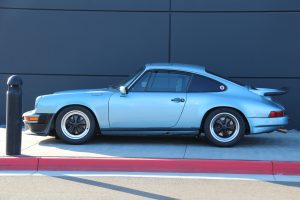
(224,127)
(75,125)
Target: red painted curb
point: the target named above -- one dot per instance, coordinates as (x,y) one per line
(156,165)
(286,168)
(19,163)
(150,165)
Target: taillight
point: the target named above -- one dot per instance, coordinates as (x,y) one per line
(276,114)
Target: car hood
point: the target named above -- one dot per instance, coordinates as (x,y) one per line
(86,91)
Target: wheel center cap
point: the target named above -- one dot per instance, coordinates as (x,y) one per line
(224,127)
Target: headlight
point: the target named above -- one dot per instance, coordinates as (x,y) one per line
(37,101)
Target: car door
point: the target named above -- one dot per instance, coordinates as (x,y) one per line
(156,100)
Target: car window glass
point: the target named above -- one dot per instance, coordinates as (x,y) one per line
(205,84)
(168,82)
(141,84)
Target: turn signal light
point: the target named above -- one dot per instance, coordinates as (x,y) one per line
(276,114)
(28,118)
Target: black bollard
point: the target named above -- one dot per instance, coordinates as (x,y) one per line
(14,115)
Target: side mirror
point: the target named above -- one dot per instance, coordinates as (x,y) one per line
(123,90)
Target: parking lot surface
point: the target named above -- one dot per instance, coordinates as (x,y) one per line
(99,187)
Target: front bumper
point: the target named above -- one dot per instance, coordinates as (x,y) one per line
(39,123)
(265,125)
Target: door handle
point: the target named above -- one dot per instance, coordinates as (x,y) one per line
(178,100)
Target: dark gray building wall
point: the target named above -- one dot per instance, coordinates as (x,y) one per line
(72,44)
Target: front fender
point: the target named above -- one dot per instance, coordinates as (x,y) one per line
(97,103)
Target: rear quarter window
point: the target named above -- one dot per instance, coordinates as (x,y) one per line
(205,84)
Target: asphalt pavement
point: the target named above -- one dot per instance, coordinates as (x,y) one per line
(140,187)
(273,146)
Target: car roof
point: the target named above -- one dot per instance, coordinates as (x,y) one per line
(176,66)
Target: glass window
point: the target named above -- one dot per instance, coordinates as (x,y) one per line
(141,84)
(164,81)
(205,84)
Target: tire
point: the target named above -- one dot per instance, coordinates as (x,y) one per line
(75,125)
(224,127)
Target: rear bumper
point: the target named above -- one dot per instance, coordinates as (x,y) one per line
(39,123)
(264,125)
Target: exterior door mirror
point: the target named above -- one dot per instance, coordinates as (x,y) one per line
(123,90)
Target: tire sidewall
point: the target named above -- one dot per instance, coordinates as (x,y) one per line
(62,135)
(235,140)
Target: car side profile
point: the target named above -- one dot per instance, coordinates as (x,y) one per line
(161,99)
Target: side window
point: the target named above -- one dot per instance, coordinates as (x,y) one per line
(141,84)
(164,81)
(205,84)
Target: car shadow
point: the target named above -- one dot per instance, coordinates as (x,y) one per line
(248,140)
(105,139)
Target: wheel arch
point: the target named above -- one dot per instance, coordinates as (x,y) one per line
(215,108)
(56,114)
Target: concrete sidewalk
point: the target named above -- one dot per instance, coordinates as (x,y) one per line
(265,147)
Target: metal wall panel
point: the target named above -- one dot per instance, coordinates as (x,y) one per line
(235,5)
(103,5)
(239,44)
(81,42)
(68,44)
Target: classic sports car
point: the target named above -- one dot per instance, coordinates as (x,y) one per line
(161,99)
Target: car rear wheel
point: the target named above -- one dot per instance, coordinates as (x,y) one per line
(75,125)
(224,127)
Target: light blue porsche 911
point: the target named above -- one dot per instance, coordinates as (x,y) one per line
(161,99)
